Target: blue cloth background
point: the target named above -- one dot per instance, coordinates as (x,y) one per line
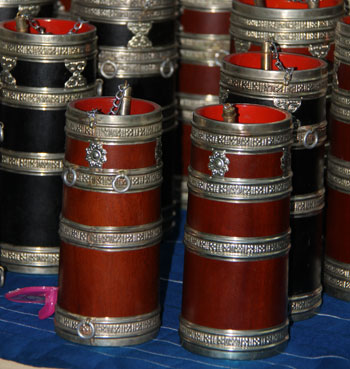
(317,343)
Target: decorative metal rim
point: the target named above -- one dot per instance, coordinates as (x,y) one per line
(338,174)
(310,83)
(203,5)
(43,98)
(236,248)
(233,344)
(191,101)
(107,331)
(127,3)
(117,15)
(30,259)
(10,3)
(31,163)
(308,204)
(306,305)
(310,136)
(237,189)
(340,107)
(336,278)
(116,181)
(111,239)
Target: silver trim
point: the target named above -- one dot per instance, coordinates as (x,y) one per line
(336,278)
(30,259)
(233,344)
(30,163)
(307,205)
(111,239)
(306,305)
(236,248)
(108,331)
(338,174)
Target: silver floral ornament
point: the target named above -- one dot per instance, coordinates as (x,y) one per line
(96,155)
(218,163)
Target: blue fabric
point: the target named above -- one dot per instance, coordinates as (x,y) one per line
(322,342)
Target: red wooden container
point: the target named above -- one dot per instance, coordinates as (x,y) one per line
(110,224)
(237,233)
(336,272)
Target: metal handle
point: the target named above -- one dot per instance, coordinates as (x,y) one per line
(167,63)
(99,86)
(104,74)
(2,276)
(85,329)
(65,177)
(2,132)
(128,183)
(315,141)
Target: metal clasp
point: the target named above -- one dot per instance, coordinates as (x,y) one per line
(122,175)
(85,329)
(2,276)
(108,75)
(71,173)
(167,68)
(314,142)
(279,65)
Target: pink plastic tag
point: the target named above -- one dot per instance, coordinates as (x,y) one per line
(36,295)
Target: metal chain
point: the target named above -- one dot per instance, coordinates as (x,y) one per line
(118,98)
(34,24)
(77,26)
(288,71)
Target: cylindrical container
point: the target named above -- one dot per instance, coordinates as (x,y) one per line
(40,74)
(110,225)
(296,83)
(237,234)
(34,8)
(336,270)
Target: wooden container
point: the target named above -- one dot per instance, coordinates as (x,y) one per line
(237,233)
(111,224)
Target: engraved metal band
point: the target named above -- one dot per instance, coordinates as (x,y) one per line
(53,48)
(30,163)
(127,3)
(43,98)
(310,136)
(341,53)
(126,63)
(204,5)
(232,344)
(242,190)
(110,238)
(338,174)
(340,107)
(122,15)
(307,205)
(231,142)
(113,180)
(336,277)
(305,305)
(192,101)
(236,248)
(273,85)
(30,259)
(13,3)
(193,41)
(106,331)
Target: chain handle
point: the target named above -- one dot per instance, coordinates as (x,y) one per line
(77,26)
(118,98)
(288,71)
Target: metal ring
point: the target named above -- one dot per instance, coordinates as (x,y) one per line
(167,63)
(65,177)
(2,131)
(104,74)
(2,276)
(307,134)
(218,56)
(99,86)
(128,183)
(83,336)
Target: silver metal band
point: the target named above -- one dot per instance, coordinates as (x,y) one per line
(39,164)
(338,174)
(232,344)
(192,101)
(12,3)
(340,107)
(236,189)
(30,259)
(107,331)
(120,15)
(112,180)
(204,5)
(43,98)
(110,238)
(336,278)
(307,205)
(306,305)
(236,248)
(125,4)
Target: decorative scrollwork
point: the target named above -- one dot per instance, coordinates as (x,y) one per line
(319,51)
(7,64)
(218,163)
(76,68)
(291,105)
(140,31)
(96,155)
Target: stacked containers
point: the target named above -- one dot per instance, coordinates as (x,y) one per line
(111,224)
(301,91)
(337,259)
(40,74)
(137,43)
(204,39)
(35,8)
(237,236)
